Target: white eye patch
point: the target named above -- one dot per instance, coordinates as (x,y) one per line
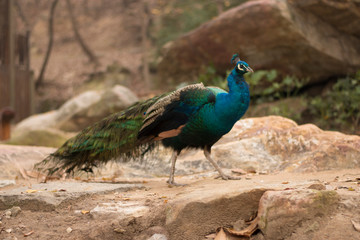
(240,68)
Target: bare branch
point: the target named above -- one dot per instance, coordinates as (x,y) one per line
(40,79)
(22,15)
(78,37)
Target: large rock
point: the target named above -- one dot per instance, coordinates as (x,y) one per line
(14,160)
(74,115)
(103,105)
(316,39)
(279,144)
(282,212)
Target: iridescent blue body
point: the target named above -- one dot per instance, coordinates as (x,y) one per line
(209,122)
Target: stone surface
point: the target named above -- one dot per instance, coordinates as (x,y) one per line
(316,39)
(157,236)
(47,196)
(80,111)
(4,183)
(110,101)
(14,160)
(281,212)
(121,208)
(15,211)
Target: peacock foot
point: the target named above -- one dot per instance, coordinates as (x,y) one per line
(174,184)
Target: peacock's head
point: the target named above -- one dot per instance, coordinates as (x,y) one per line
(241,67)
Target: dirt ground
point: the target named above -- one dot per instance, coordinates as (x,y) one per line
(182,212)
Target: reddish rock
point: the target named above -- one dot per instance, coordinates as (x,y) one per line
(316,39)
(282,212)
(295,148)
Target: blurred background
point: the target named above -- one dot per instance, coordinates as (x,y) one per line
(66,64)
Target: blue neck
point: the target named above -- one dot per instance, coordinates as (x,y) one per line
(230,107)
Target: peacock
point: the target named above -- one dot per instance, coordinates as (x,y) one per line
(193,116)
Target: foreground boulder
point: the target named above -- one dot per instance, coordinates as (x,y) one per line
(315,39)
(282,212)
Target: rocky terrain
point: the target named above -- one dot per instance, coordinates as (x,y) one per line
(298,182)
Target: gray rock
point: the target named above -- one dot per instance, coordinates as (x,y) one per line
(123,209)
(14,159)
(157,236)
(4,183)
(80,111)
(14,211)
(108,102)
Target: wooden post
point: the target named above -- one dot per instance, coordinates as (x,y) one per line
(145,43)
(10,53)
(6,115)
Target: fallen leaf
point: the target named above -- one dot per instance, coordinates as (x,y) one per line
(28,234)
(251,171)
(221,235)
(62,190)
(246,232)
(286,182)
(165,201)
(351,189)
(31,191)
(85,211)
(211,236)
(356,225)
(119,230)
(239,171)
(126,199)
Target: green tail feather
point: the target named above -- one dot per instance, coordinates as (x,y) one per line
(112,137)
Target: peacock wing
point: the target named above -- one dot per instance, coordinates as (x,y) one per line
(170,114)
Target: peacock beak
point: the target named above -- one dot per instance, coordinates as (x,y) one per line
(249,69)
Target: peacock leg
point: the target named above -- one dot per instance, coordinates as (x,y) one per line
(172,170)
(207,153)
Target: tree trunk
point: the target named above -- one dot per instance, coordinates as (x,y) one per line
(40,80)
(84,47)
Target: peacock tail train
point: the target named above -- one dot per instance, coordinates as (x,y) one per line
(112,137)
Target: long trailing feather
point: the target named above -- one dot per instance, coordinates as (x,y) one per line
(126,135)
(112,137)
